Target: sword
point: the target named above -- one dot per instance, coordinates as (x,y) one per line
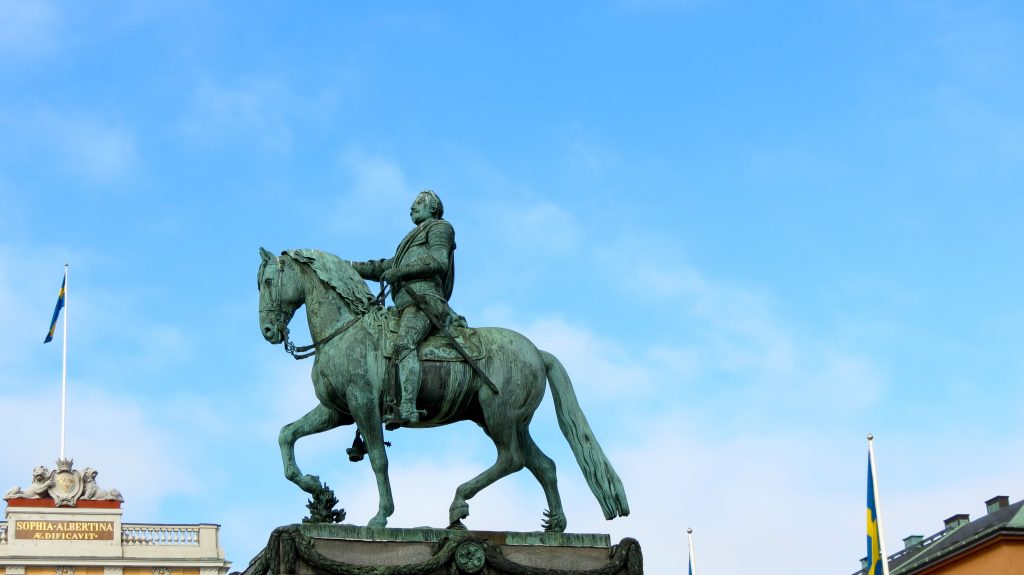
(443,328)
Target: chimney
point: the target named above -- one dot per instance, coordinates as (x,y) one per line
(912,541)
(956,521)
(996,503)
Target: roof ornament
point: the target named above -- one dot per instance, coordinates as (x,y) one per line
(65,485)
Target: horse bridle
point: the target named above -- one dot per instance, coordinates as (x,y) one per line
(275,304)
(304,351)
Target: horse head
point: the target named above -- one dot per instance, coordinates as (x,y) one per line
(280,295)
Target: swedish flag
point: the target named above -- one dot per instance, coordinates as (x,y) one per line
(876,555)
(56,310)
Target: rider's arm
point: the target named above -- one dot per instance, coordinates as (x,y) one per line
(372,269)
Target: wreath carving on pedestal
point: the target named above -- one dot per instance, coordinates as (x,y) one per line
(458,553)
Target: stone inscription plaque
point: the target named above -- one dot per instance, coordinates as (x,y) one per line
(65,530)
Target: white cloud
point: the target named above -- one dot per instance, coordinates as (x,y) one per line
(292,391)
(594,363)
(374,177)
(115,435)
(846,379)
(424,489)
(256,109)
(137,447)
(374,190)
(376,196)
(794,491)
(733,339)
(953,470)
(28,27)
(540,227)
(590,159)
(725,344)
(798,488)
(678,477)
(98,150)
(803,492)
(95,318)
(28,295)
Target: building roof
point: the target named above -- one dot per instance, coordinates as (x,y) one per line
(959,535)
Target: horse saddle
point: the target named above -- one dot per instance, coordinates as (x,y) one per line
(436,346)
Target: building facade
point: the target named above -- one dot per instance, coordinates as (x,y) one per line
(63,523)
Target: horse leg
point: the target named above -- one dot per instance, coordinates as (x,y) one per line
(367,417)
(318,419)
(510,459)
(543,468)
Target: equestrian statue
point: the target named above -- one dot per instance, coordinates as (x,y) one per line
(417,365)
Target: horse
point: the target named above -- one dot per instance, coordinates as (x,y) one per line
(346,321)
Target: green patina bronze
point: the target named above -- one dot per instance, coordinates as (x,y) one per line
(298,549)
(349,328)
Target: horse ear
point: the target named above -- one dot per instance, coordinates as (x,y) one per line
(267,256)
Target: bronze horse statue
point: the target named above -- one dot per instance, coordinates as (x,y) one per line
(349,381)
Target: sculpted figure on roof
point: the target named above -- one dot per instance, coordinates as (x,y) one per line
(42,481)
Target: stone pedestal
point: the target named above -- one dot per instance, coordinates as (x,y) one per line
(324,549)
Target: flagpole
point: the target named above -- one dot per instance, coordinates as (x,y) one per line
(693,560)
(878,506)
(64,367)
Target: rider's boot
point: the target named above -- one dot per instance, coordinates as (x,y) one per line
(409,376)
(409,381)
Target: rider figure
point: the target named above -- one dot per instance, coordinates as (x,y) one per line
(424,263)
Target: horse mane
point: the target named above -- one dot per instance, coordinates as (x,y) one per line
(339,274)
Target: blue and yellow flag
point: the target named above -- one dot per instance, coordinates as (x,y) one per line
(876,557)
(56,310)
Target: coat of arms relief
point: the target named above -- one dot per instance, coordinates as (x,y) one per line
(65,485)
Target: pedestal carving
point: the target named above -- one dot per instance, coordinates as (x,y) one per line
(313,550)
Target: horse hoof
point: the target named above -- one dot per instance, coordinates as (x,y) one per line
(378,523)
(457,512)
(458,525)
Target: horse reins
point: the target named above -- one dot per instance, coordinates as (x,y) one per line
(299,352)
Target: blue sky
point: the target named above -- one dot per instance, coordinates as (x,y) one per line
(753,233)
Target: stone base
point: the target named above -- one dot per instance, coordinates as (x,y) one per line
(325,549)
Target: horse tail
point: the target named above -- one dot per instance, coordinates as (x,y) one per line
(597,470)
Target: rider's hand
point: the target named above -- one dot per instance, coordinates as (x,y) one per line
(390,275)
